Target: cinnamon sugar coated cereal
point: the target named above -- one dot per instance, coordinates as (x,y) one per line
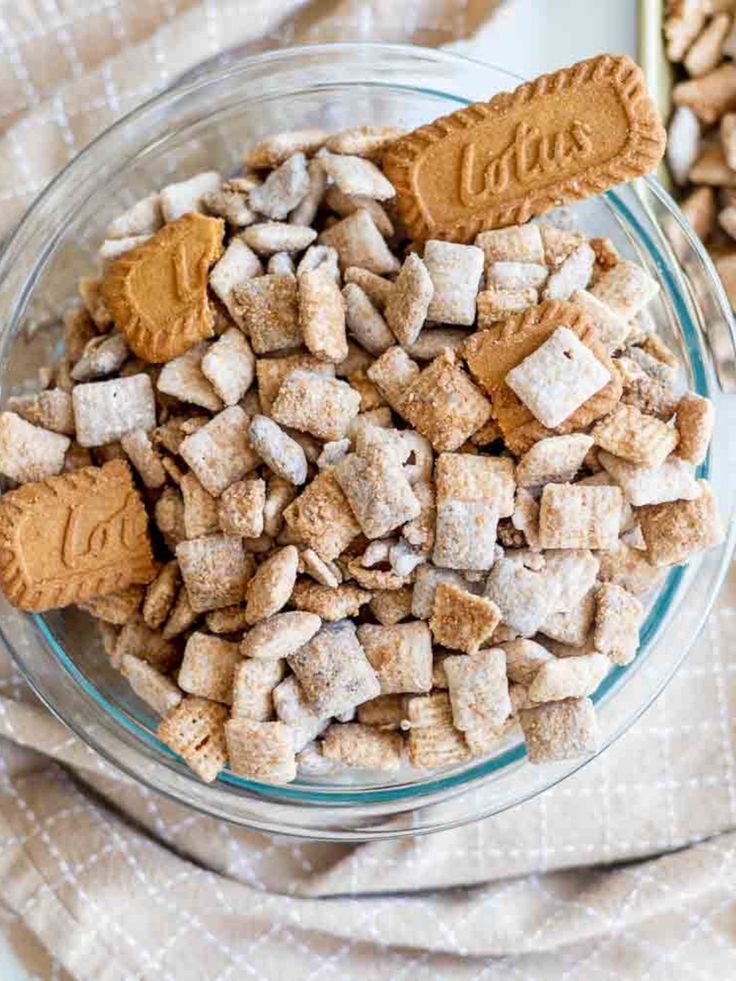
(407,498)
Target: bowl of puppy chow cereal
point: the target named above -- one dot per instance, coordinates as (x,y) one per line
(364,436)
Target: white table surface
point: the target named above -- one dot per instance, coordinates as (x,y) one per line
(527,37)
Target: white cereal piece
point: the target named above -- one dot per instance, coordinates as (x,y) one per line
(275,149)
(105,411)
(525,596)
(359,243)
(626,288)
(365,322)
(333,452)
(524,658)
(576,570)
(612,328)
(573,274)
(377,490)
(401,655)
(632,435)
(558,243)
(150,685)
(322,257)
(260,750)
(231,204)
(324,573)
(618,618)
(558,377)
(496,304)
(311,403)
(182,378)
(573,626)
(630,568)
(112,249)
(434,341)
(142,218)
(219,453)
(559,730)
(526,517)
(214,571)
(404,558)
(376,288)
(455,271)
(465,535)
(184,196)
(240,508)
(29,453)
(280,635)
(516,275)
(364,141)
(568,677)
(294,709)
(575,516)
(427,580)
(230,366)
(279,494)
(671,481)
(281,264)
(140,452)
(406,309)
(683,143)
(434,746)
(357,745)
(694,421)
(517,243)
(556,459)
(334,670)
(283,189)
(420,531)
(237,264)
(51,409)
(322,315)
(485,479)
(306,211)
(208,666)
(253,686)
(101,356)
(393,373)
(195,729)
(347,204)
(419,456)
(356,175)
(478,688)
(273,236)
(282,454)
(271,586)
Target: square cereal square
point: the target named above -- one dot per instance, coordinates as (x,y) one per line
(574,516)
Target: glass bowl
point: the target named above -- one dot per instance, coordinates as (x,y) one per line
(204,122)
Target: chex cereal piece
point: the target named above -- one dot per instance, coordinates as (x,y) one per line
(443,404)
(274,236)
(281,264)
(238,263)
(694,422)
(200,508)
(463,477)
(195,729)
(376,578)
(558,377)
(270,588)
(240,508)
(558,243)
(253,686)
(572,516)
(525,596)
(214,571)
(230,366)
(461,620)
(153,687)
(613,329)
(324,573)
(273,150)
(618,618)
(183,379)
(267,309)
(478,688)
(346,204)
(675,530)
(465,535)
(391,606)
(364,322)
(525,518)
(363,141)
(51,409)
(568,677)
(105,411)
(160,595)
(376,288)
(377,491)
(406,309)
(279,494)
(169,516)
(427,580)
(573,274)
(219,453)
(230,204)
(271,373)
(649,384)
(575,569)
(455,272)
(306,211)
(573,625)
(295,710)
(185,196)
(434,746)
(117,607)
(630,568)
(280,635)
(29,453)
(354,744)
(90,291)
(283,189)
(516,275)
(182,616)
(142,218)
(321,517)
(401,655)
(322,315)
(631,435)
(261,750)
(208,666)
(355,175)
(496,304)
(334,670)
(385,712)
(139,640)
(559,730)
(101,356)
(147,462)
(434,341)
(228,620)
(556,459)
(283,455)
(524,658)
(626,288)
(670,481)
(317,405)
(428,710)
(329,602)
(359,243)
(393,373)
(517,243)
(113,249)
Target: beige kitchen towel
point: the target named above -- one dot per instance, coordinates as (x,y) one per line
(625,871)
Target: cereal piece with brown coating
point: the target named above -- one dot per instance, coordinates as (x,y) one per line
(406,309)
(461,620)
(384,711)
(195,729)
(568,677)
(574,516)
(181,617)
(208,666)
(321,517)
(330,603)
(322,316)
(200,508)
(240,508)
(153,687)
(484,479)
(496,304)
(524,658)
(465,535)
(271,586)
(279,635)
(214,571)
(160,595)
(625,288)
(358,745)
(618,618)
(630,568)
(559,730)
(517,243)
(374,286)
(678,529)
(228,620)
(50,409)
(268,311)
(393,373)
(694,422)
(260,750)
(478,688)
(631,435)
(270,237)
(252,688)
(401,655)
(323,407)
(556,459)
(359,243)
(334,670)
(145,459)
(219,452)
(273,150)
(365,322)
(117,607)
(356,175)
